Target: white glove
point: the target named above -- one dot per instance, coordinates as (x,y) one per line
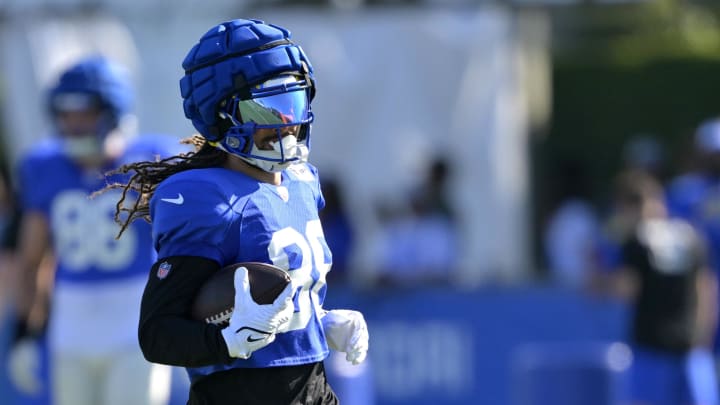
(346,331)
(253,326)
(24,366)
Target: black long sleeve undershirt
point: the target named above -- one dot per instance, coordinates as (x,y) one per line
(166,333)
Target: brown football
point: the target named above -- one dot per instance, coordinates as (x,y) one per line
(215,300)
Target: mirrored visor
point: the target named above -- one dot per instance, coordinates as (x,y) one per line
(282,108)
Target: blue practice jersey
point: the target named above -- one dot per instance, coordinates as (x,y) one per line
(83,228)
(230,217)
(696,198)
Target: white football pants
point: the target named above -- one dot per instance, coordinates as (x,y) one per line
(121,378)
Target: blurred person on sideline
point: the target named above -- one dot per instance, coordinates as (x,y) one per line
(97,281)
(417,244)
(644,152)
(571,234)
(663,271)
(352,383)
(338,230)
(695,194)
(246,194)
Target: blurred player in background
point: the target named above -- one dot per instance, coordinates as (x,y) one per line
(247,194)
(353,384)
(571,232)
(695,195)
(663,270)
(418,244)
(98,281)
(338,230)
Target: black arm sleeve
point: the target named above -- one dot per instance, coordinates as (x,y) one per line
(166,333)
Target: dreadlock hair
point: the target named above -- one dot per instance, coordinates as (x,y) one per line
(148,174)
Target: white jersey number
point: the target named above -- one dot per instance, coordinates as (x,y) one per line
(306,282)
(84,233)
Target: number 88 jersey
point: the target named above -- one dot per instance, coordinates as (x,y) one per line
(83,229)
(229,217)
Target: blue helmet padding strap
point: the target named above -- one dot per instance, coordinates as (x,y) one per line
(237,55)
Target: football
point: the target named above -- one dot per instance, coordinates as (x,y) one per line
(215,300)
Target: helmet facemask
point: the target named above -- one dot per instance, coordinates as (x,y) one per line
(270,129)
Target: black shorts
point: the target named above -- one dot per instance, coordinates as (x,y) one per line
(292,385)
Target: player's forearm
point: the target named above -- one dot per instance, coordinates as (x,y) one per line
(180,342)
(166,333)
(31,303)
(33,250)
(26,291)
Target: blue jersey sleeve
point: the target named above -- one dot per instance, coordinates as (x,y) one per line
(685,194)
(193,218)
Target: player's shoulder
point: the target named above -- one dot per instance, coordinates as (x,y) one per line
(689,182)
(44,163)
(192,211)
(206,184)
(188,194)
(686,191)
(44,151)
(197,181)
(307,175)
(303,172)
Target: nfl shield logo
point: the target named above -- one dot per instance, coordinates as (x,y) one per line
(163,270)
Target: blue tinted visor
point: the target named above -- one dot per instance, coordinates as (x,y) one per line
(290,108)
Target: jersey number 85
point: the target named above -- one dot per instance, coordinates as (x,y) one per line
(309,278)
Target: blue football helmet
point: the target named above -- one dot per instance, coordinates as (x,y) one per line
(242,78)
(92,84)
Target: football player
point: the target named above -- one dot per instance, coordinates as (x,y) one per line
(694,195)
(98,280)
(247,194)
